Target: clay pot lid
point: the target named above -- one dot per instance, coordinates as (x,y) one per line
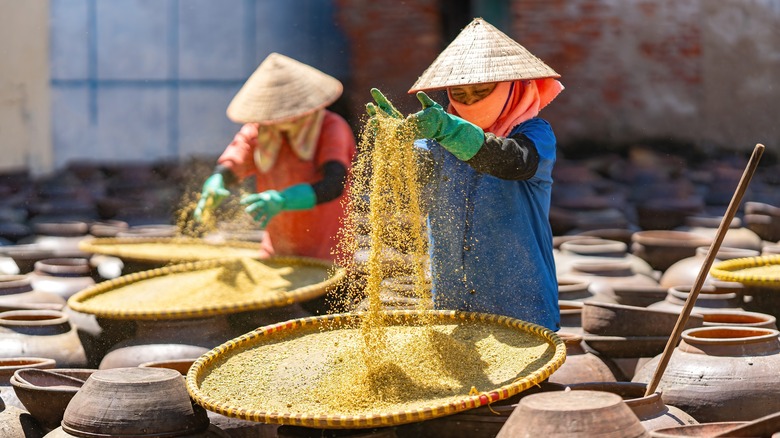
(582,413)
(14,284)
(143,402)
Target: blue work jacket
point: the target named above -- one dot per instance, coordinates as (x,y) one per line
(490,239)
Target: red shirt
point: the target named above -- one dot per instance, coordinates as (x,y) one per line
(310,233)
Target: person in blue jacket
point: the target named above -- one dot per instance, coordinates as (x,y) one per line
(489,232)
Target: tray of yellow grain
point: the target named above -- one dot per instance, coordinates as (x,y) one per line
(753,271)
(168,250)
(321,371)
(208,288)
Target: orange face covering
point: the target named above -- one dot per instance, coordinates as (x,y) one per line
(510,104)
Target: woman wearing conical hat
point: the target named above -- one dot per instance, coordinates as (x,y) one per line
(299,152)
(490,237)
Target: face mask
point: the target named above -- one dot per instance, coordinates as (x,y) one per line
(485,112)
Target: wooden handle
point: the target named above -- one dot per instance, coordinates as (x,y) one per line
(705,268)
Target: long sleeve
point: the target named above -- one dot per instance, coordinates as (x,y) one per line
(511,158)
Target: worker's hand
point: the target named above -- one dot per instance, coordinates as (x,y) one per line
(382,104)
(461,137)
(212,194)
(265,205)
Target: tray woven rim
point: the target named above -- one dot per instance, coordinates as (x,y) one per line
(79,301)
(728,270)
(103,246)
(380,419)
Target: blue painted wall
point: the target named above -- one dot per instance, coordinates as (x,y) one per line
(142,80)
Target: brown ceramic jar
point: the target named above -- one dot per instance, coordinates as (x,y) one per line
(721,373)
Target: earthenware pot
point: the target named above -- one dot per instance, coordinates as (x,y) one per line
(737,236)
(662,248)
(62,237)
(15,422)
(142,401)
(650,409)
(573,289)
(722,373)
(608,319)
(571,316)
(41,333)
(630,295)
(9,366)
(572,414)
(711,297)
(595,249)
(765,226)
(46,393)
(25,255)
(697,430)
(739,318)
(234,427)
(62,276)
(484,421)
(17,293)
(580,366)
(686,271)
(156,340)
(604,275)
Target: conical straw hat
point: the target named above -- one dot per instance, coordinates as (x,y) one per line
(480,54)
(281,89)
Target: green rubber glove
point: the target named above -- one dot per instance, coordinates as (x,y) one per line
(382,104)
(265,205)
(212,194)
(461,137)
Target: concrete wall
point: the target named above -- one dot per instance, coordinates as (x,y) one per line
(25,118)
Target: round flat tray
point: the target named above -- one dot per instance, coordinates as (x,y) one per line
(753,271)
(542,347)
(135,294)
(168,250)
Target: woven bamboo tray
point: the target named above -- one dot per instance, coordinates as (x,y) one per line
(219,358)
(761,271)
(168,250)
(189,307)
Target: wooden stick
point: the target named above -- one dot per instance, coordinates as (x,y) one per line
(671,344)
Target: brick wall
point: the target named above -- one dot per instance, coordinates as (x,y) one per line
(391,44)
(697,72)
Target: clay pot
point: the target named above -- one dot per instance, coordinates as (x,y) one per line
(9,366)
(650,409)
(736,236)
(62,276)
(580,366)
(762,299)
(722,373)
(307,432)
(46,393)
(17,293)
(701,430)
(765,226)
(41,333)
(624,347)
(572,414)
(571,316)
(15,422)
(609,319)
(61,237)
(485,421)
(573,289)
(739,318)
(604,275)
(156,340)
(25,255)
(629,295)
(618,234)
(711,297)
(686,271)
(142,401)
(235,427)
(662,248)
(595,250)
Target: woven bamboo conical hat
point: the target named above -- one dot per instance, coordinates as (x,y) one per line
(282,89)
(481,54)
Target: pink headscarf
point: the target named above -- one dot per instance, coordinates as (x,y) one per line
(510,104)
